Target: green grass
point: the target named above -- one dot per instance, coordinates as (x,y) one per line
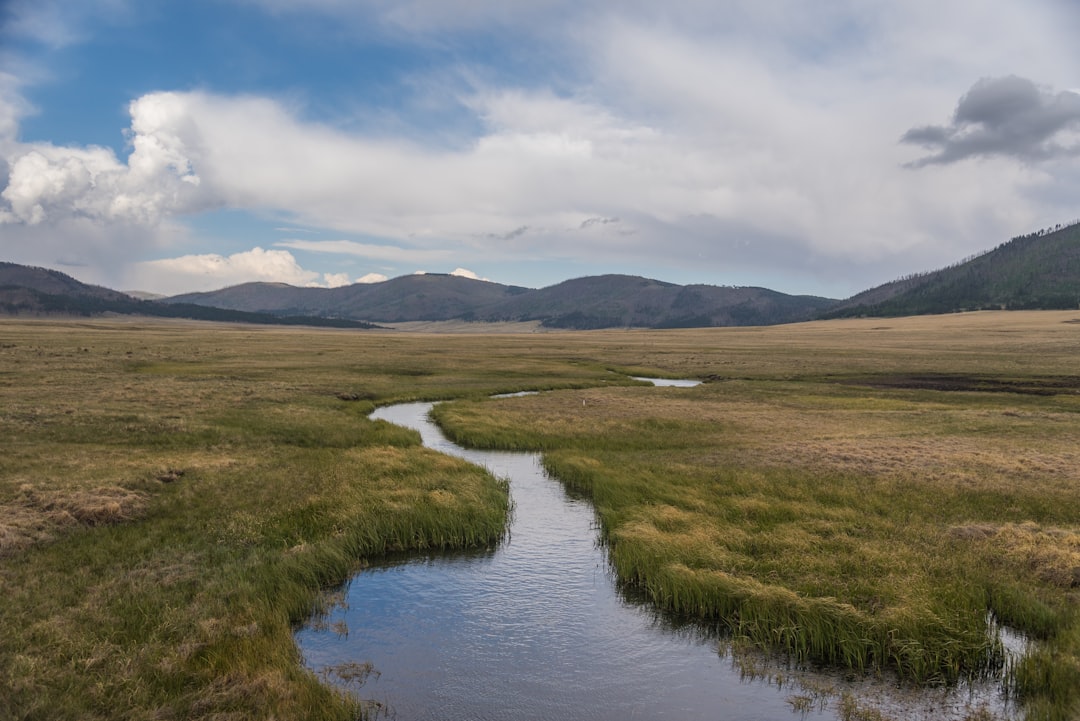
(861,523)
(175,497)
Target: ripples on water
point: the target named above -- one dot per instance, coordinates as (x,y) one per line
(534,629)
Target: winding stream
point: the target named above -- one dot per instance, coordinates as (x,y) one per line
(533,629)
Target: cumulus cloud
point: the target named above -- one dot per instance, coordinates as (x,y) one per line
(211,271)
(466,273)
(542,171)
(730,134)
(335,280)
(1008,116)
(372,278)
(48,183)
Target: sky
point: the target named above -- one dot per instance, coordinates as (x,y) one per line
(813,148)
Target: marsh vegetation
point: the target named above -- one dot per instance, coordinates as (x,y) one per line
(862,494)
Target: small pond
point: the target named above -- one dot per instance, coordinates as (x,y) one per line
(537,628)
(669,382)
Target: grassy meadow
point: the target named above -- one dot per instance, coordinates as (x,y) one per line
(858,493)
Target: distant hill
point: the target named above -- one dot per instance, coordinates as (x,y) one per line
(145,295)
(53,282)
(26,290)
(412,297)
(1036,271)
(606,301)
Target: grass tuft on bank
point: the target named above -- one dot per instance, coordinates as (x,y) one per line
(866,494)
(819,508)
(176,498)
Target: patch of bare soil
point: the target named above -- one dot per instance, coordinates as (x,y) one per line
(36,516)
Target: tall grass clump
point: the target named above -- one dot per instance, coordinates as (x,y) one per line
(863,494)
(175,499)
(865,497)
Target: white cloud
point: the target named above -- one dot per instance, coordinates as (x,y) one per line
(12,107)
(718,192)
(51,184)
(372,278)
(211,271)
(45,21)
(711,135)
(466,273)
(335,280)
(58,24)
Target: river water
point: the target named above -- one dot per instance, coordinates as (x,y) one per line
(535,628)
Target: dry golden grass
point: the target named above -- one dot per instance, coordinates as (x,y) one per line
(173,494)
(918,472)
(34,516)
(1051,554)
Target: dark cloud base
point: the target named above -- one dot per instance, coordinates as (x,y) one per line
(1009,116)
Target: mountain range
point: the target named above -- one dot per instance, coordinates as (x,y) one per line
(604,301)
(26,290)
(1038,270)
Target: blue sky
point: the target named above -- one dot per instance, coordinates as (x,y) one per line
(807,147)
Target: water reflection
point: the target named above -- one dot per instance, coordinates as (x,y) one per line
(536,628)
(669,382)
